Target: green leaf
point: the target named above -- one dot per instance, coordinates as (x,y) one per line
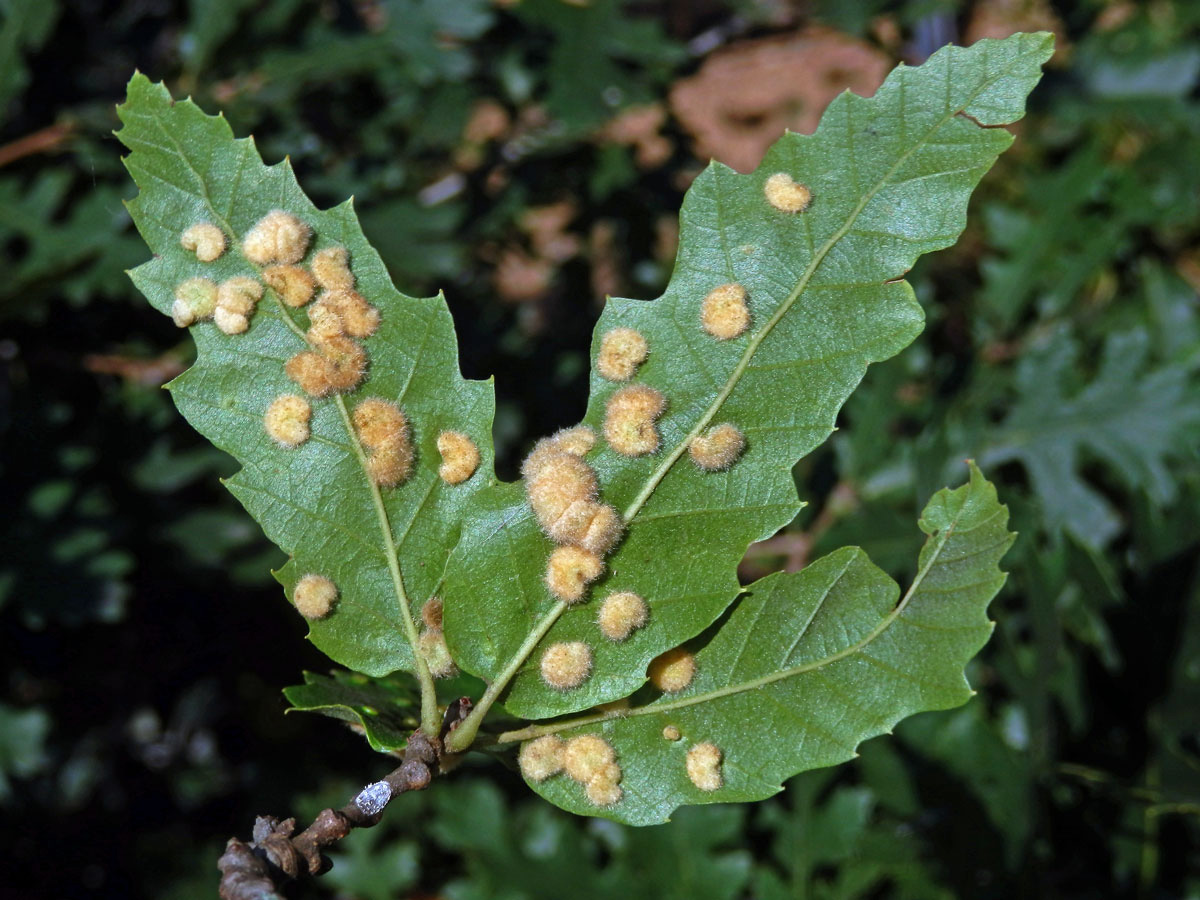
(1132,418)
(386,548)
(890,178)
(807,666)
(386,710)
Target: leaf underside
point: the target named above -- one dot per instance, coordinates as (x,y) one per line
(807,666)
(314,501)
(890,178)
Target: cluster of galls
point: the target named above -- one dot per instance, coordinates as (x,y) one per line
(334,363)
(587,759)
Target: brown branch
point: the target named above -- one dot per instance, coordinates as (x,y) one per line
(41,141)
(275,857)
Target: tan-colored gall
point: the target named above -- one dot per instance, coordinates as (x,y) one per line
(585,757)
(621,614)
(378,422)
(237,298)
(312,371)
(575,441)
(278,237)
(671,733)
(286,420)
(384,431)
(724,313)
(349,362)
(314,596)
(204,239)
(542,757)
(431,612)
(195,300)
(356,317)
(786,194)
(331,268)
(239,294)
(294,285)
(673,671)
(569,572)
(595,527)
(460,457)
(560,480)
(566,664)
(718,448)
(622,350)
(629,419)
(704,766)
(605,788)
(432,645)
(230,322)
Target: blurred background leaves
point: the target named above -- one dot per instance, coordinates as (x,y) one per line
(529,158)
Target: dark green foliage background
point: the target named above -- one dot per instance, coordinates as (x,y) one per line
(145,643)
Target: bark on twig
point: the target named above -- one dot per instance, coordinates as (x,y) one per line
(258,870)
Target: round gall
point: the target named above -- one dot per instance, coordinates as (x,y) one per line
(566,664)
(314,596)
(204,239)
(622,350)
(786,194)
(724,313)
(673,671)
(621,615)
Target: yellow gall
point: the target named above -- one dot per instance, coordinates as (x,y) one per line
(586,756)
(605,788)
(312,371)
(724,313)
(570,571)
(595,527)
(718,448)
(566,664)
(357,317)
(286,420)
(431,612)
(542,757)
(671,733)
(460,457)
(432,645)
(622,350)
(294,285)
(279,237)
(384,432)
(786,194)
(621,615)
(704,766)
(314,596)
(204,239)
(673,671)
(331,268)
(629,419)
(195,299)
(562,479)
